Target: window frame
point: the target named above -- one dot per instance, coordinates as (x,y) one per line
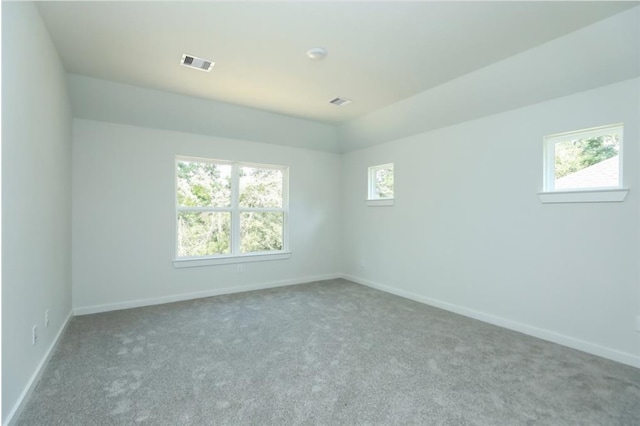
(235,255)
(372,200)
(597,194)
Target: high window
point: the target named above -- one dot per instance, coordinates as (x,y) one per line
(380,185)
(584,159)
(227,210)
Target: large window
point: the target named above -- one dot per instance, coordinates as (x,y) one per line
(584,159)
(228,210)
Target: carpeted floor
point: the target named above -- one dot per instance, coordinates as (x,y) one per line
(325,353)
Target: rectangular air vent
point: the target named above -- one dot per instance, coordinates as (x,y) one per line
(340,101)
(196,63)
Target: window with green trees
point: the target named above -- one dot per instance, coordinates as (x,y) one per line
(584,159)
(381,182)
(229,208)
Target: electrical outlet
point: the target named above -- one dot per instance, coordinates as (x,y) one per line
(239,268)
(34,335)
(46,318)
(638,323)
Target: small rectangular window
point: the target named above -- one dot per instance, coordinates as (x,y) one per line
(381,182)
(229,209)
(380,185)
(584,159)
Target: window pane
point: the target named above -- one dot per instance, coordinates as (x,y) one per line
(384,183)
(261,231)
(204,233)
(587,163)
(260,188)
(204,184)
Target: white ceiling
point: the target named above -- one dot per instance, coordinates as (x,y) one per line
(379,52)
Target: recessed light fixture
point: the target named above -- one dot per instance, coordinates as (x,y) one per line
(196,63)
(317,53)
(340,101)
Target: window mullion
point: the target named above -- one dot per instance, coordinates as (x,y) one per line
(261,210)
(235,212)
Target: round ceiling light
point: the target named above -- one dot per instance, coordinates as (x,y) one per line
(316,53)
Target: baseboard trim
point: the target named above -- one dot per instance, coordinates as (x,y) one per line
(561,339)
(35,377)
(86,310)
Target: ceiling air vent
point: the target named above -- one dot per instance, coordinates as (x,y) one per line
(196,63)
(340,101)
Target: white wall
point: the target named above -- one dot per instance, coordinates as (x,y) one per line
(468,233)
(36,196)
(124,217)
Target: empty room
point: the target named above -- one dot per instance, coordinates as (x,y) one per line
(328,213)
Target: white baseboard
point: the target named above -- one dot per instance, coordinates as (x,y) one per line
(561,339)
(35,378)
(197,295)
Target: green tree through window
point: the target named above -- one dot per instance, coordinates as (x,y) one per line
(207,208)
(577,154)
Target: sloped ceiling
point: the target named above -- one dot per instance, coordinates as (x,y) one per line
(388,57)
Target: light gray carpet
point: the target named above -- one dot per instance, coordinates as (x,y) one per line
(329,353)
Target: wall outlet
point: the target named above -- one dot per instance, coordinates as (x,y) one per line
(34,335)
(46,318)
(638,323)
(239,268)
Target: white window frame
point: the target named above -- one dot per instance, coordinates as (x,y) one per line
(236,256)
(580,195)
(372,199)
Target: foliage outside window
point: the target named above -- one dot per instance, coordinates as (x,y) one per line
(584,159)
(229,208)
(381,182)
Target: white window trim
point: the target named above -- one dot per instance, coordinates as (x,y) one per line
(580,195)
(235,256)
(190,262)
(372,200)
(586,196)
(381,202)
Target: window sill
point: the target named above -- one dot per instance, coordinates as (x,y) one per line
(380,203)
(586,196)
(227,260)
